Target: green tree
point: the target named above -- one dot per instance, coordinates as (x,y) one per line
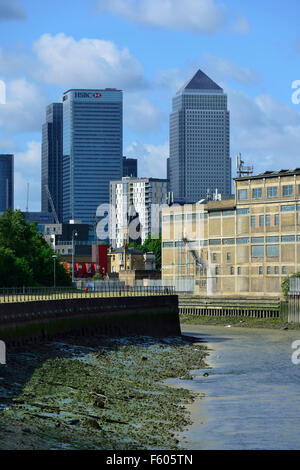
(30,255)
(153,245)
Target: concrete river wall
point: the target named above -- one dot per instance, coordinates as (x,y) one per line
(145,315)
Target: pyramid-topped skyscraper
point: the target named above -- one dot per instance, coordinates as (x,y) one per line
(199,140)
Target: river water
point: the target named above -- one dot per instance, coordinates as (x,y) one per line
(252,393)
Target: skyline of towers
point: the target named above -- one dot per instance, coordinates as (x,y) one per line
(199,140)
(6,182)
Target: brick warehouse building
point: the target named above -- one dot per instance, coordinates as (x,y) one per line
(238,247)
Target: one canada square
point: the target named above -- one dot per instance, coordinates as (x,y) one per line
(199,140)
(92,150)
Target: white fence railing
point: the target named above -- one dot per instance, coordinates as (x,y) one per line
(180,285)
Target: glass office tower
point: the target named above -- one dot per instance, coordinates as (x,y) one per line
(52,138)
(199,140)
(6,182)
(92,150)
(129,167)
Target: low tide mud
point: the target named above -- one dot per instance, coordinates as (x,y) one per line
(97,393)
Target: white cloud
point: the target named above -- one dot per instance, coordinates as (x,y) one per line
(222,68)
(141,115)
(11,10)
(202,16)
(28,170)
(152,159)
(88,63)
(241,25)
(25,107)
(265,131)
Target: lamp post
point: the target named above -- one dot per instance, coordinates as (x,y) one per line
(74,234)
(54,270)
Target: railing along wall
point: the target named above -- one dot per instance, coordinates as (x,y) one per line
(33,294)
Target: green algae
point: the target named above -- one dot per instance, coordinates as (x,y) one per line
(239,321)
(98,393)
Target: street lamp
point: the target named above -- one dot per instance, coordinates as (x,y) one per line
(74,234)
(54,270)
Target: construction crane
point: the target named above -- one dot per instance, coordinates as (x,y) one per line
(51,204)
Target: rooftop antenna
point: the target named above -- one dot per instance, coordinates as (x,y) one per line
(241,169)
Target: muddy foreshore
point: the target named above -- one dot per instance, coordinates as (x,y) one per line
(97,393)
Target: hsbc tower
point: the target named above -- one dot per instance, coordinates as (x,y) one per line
(92,150)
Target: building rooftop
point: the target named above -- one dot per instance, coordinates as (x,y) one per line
(91,89)
(200,81)
(270,174)
(130,251)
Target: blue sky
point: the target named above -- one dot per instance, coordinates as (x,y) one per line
(149,48)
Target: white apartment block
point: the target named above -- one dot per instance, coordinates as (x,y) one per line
(135,208)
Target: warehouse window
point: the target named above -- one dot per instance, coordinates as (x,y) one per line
(288,238)
(287,190)
(257,251)
(272,251)
(257,193)
(290,208)
(242,194)
(272,191)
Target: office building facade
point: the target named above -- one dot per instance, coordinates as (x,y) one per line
(52,145)
(130,167)
(199,140)
(6,182)
(135,205)
(92,150)
(240,247)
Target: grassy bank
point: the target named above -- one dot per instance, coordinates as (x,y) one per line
(239,321)
(96,393)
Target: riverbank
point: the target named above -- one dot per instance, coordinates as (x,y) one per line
(239,321)
(97,393)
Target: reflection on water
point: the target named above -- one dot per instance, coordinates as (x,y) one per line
(252,393)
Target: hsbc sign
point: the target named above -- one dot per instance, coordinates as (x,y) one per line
(85,94)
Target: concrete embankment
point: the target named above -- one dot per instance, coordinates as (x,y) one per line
(222,307)
(147,315)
